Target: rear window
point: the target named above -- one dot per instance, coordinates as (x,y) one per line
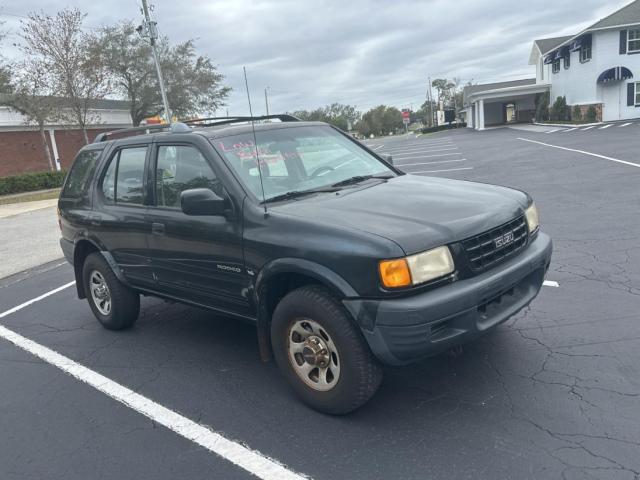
(81,173)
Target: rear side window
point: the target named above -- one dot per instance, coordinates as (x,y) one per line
(81,173)
(124,180)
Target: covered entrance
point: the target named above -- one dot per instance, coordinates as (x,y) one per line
(502,103)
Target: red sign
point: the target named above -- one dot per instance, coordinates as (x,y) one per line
(405,113)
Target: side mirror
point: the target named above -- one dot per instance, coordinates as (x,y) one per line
(202,201)
(387,157)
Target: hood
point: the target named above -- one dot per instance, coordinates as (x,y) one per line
(417,213)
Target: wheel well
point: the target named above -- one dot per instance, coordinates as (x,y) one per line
(82,250)
(281,284)
(271,293)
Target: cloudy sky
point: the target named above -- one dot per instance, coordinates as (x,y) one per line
(362,52)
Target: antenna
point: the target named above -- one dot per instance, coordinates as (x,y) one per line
(255,141)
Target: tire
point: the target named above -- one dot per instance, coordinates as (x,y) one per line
(123,303)
(352,374)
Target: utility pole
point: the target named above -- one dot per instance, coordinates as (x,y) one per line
(149,29)
(266,100)
(430,103)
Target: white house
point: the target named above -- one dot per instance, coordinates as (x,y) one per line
(593,67)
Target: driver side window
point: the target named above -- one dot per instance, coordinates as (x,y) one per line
(180,168)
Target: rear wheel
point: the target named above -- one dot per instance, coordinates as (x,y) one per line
(114,304)
(322,353)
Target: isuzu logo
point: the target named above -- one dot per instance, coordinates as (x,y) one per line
(503,240)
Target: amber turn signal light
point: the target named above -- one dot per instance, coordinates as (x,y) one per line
(395,273)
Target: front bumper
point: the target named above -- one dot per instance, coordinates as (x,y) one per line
(401,331)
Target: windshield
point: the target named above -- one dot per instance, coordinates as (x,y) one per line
(297,159)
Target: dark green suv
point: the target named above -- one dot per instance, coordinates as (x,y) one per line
(342,261)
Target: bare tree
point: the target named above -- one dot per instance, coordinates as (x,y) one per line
(60,43)
(34,98)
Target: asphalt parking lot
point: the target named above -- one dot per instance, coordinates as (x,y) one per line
(553,393)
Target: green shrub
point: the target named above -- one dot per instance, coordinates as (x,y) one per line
(442,127)
(591,114)
(576,115)
(542,107)
(29,182)
(559,110)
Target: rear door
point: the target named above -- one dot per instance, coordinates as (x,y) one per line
(120,211)
(196,258)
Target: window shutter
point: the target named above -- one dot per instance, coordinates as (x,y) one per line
(623,42)
(631,94)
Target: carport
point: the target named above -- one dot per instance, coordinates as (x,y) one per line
(501,103)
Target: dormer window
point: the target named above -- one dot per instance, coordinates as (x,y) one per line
(633,41)
(555,66)
(567,60)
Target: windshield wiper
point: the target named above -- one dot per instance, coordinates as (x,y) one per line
(298,193)
(359,178)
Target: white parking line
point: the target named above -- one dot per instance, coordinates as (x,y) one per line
(571,129)
(583,152)
(250,460)
(407,152)
(606,126)
(430,156)
(550,283)
(556,130)
(436,171)
(431,163)
(418,147)
(588,128)
(377,147)
(624,125)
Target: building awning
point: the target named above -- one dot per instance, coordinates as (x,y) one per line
(580,42)
(615,74)
(557,55)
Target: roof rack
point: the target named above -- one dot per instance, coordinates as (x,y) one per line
(176,127)
(213,121)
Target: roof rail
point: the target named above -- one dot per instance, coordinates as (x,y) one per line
(176,127)
(212,121)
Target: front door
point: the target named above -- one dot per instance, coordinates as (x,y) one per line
(195,258)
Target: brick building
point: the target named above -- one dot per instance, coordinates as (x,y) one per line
(21,147)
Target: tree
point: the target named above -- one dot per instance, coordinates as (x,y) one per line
(337,114)
(5,70)
(34,98)
(193,83)
(444,88)
(380,120)
(592,114)
(60,43)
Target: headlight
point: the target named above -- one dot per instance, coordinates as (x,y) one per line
(533,220)
(416,269)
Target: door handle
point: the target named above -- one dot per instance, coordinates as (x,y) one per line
(157,228)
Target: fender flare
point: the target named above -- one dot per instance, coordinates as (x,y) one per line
(300,266)
(107,257)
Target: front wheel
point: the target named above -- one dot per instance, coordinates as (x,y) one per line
(322,353)
(114,304)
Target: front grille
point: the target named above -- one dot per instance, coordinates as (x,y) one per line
(489,248)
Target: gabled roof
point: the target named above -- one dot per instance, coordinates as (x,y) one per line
(547,44)
(627,15)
